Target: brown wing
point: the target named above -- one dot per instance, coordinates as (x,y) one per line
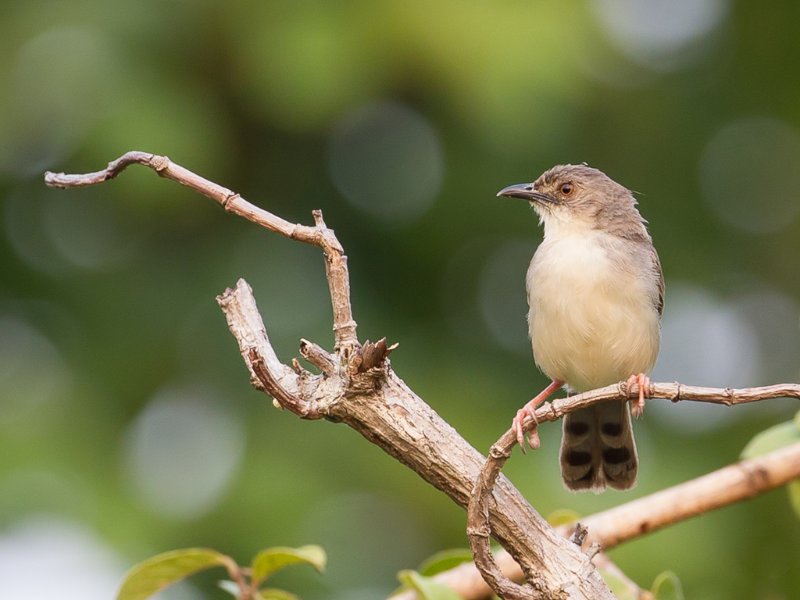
(657,267)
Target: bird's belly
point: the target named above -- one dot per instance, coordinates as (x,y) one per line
(590,324)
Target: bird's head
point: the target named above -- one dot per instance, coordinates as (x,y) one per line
(578,197)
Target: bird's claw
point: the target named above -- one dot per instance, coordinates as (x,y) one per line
(642,381)
(518,425)
(528,411)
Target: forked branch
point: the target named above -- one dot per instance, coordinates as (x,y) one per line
(357,386)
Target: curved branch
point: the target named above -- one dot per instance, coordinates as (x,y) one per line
(477,523)
(344,327)
(723,487)
(245,322)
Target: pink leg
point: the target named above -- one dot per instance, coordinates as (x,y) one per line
(527,412)
(643,382)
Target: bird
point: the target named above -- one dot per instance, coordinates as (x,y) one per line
(595,297)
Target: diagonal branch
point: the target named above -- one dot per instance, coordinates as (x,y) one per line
(734,483)
(728,485)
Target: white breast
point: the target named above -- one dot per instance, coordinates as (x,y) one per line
(592,318)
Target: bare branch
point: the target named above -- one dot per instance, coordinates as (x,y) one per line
(725,486)
(730,484)
(358,387)
(674,392)
(267,373)
(477,521)
(318,357)
(114,168)
(344,326)
(246,324)
(377,404)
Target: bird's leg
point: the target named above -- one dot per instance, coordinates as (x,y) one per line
(643,381)
(528,412)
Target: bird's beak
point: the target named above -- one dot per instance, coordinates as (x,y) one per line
(526,192)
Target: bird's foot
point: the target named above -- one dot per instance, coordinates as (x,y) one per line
(528,412)
(643,383)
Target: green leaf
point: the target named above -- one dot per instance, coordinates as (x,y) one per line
(562,516)
(797,419)
(667,586)
(270,560)
(621,589)
(275,594)
(771,439)
(156,573)
(444,560)
(426,588)
(794,496)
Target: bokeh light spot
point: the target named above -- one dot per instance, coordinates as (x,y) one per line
(293,279)
(775,318)
(58,86)
(654,32)
(32,372)
(705,341)
(501,295)
(182,452)
(749,174)
(24,229)
(386,159)
(86,234)
(46,557)
(53,233)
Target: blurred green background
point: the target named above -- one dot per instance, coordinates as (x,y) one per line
(127,423)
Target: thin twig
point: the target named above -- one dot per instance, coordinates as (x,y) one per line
(500,451)
(344,327)
(318,357)
(674,392)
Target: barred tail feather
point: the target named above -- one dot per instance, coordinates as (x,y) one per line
(598,449)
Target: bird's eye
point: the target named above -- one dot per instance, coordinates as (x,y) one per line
(566,189)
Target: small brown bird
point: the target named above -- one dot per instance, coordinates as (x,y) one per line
(595,297)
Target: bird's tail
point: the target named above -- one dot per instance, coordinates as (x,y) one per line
(597,448)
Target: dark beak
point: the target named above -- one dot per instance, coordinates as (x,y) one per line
(526,192)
